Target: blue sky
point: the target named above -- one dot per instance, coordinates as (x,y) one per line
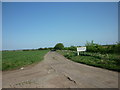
(34,25)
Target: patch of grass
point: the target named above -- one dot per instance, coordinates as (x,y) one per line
(0,60)
(17,59)
(107,61)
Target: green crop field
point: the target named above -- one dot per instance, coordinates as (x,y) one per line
(107,61)
(17,59)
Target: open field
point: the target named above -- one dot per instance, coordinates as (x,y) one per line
(0,60)
(18,59)
(107,61)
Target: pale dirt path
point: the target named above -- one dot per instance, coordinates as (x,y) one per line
(55,71)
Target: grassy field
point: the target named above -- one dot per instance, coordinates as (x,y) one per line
(17,59)
(0,60)
(107,61)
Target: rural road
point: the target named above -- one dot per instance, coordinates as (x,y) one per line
(55,71)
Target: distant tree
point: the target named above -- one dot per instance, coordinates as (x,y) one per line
(40,49)
(73,48)
(92,47)
(117,48)
(66,48)
(43,48)
(50,48)
(59,46)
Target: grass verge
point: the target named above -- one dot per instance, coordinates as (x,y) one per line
(106,61)
(0,60)
(17,59)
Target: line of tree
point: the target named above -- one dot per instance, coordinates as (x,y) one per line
(60,46)
(92,47)
(50,48)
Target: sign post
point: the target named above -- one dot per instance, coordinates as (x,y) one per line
(78,52)
(80,49)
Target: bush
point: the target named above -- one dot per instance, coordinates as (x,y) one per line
(66,48)
(73,48)
(117,48)
(93,47)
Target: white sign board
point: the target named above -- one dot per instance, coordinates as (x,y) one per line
(79,49)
